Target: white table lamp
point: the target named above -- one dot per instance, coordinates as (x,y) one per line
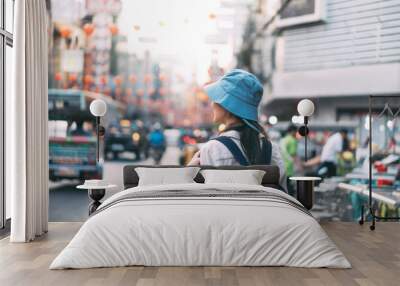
(98,108)
(306,109)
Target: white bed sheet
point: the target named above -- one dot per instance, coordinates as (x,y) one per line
(200,231)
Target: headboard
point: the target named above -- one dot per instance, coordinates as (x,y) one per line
(270,179)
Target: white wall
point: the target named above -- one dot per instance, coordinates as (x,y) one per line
(356,32)
(349,81)
(355,52)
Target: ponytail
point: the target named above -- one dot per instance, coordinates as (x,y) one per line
(250,133)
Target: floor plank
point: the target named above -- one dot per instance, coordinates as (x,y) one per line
(375,257)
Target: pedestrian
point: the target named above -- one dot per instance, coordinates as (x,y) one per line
(157,143)
(235,99)
(288,146)
(328,160)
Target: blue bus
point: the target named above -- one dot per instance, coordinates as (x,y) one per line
(72,138)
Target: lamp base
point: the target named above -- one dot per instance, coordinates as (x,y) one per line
(96,195)
(305,193)
(305,190)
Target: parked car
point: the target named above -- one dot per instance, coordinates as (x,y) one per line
(126,136)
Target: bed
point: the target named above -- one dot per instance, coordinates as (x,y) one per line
(198,224)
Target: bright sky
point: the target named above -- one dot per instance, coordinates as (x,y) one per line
(177,29)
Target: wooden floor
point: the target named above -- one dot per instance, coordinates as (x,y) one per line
(375,257)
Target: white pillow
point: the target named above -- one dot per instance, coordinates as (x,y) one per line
(248,177)
(163,176)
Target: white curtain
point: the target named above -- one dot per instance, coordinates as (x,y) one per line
(26,123)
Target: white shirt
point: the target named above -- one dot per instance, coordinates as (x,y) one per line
(216,154)
(332,147)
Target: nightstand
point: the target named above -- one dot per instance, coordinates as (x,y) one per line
(305,190)
(96,191)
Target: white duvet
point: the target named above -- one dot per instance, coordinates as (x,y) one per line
(202,231)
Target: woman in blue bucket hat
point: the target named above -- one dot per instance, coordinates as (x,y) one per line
(235,99)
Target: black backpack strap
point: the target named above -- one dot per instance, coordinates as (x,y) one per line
(234,149)
(266,150)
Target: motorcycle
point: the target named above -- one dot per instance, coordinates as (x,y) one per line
(156,153)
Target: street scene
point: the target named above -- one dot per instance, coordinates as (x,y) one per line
(151,61)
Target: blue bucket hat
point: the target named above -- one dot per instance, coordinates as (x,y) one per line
(239,92)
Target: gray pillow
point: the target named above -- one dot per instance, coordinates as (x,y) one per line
(248,177)
(163,176)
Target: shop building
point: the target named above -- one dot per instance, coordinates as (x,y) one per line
(350,51)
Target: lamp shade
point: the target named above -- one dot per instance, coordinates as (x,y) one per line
(98,107)
(305,107)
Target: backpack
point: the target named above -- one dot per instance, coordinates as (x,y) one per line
(266,150)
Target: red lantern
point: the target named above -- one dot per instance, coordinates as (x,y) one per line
(113,29)
(58,76)
(147,78)
(202,96)
(65,32)
(128,91)
(72,77)
(103,79)
(118,80)
(88,79)
(88,29)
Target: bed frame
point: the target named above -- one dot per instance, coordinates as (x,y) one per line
(270,179)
